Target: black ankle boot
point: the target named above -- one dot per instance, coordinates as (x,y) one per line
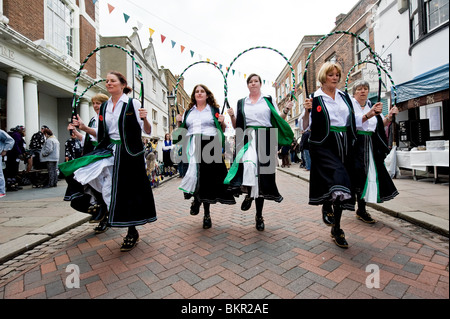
(339,237)
(327,214)
(207,222)
(259,223)
(195,207)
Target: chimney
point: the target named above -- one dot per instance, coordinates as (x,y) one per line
(339,18)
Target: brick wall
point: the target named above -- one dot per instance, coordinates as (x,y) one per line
(87,44)
(90,8)
(26,17)
(341,45)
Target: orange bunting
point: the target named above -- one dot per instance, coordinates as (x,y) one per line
(110,8)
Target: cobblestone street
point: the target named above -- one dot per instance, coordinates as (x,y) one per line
(294,258)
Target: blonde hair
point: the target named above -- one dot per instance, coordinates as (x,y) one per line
(326,68)
(100,97)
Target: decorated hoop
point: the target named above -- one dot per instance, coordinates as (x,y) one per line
(253,48)
(379,77)
(87,89)
(75,101)
(191,65)
(375,56)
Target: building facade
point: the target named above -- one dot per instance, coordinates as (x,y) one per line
(40,56)
(414,38)
(153,83)
(182,98)
(283,84)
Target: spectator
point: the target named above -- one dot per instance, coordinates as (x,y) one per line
(167,149)
(13,158)
(36,143)
(73,148)
(50,155)
(304,148)
(6,144)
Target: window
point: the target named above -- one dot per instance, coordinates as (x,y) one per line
(59,28)
(361,51)
(299,70)
(426,16)
(437,13)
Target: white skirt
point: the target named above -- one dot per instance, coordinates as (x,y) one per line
(98,175)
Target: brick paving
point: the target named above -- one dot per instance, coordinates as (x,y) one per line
(294,258)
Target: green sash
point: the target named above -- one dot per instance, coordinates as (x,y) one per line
(68,168)
(285,133)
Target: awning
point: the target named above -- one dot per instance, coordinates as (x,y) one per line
(426,83)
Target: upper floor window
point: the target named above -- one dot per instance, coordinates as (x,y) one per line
(361,50)
(437,13)
(426,16)
(59,29)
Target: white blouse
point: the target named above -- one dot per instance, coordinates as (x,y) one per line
(337,108)
(200,122)
(258,114)
(369,125)
(112,117)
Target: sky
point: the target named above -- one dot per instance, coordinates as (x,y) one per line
(220,30)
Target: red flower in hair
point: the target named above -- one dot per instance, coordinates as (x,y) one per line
(100,117)
(217,115)
(319,109)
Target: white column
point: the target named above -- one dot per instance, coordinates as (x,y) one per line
(84,110)
(15,110)
(31,107)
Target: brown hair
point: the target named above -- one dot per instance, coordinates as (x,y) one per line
(122,80)
(252,75)
(47,131)
(210,99)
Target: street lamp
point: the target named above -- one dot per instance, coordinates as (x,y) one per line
(171,100)
(173,120)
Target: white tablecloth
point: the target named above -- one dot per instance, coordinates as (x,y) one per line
(419,160)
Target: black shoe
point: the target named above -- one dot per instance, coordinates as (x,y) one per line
(129,242)
(102,227)
(195,207)
(259,223)
(339,238)
(247,203)
(328,215)
(207,222)
(365,217)
(98,212)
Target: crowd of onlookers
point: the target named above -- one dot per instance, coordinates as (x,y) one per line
(42,154)
(296,153)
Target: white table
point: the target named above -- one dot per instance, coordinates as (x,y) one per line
(420,160)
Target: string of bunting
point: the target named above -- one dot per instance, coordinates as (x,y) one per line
(173,43)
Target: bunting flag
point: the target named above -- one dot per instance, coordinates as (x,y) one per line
(182,47)
(94,1)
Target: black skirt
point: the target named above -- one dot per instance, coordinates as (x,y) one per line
(331,167)
(211,173)
(266,168)
(386,187)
